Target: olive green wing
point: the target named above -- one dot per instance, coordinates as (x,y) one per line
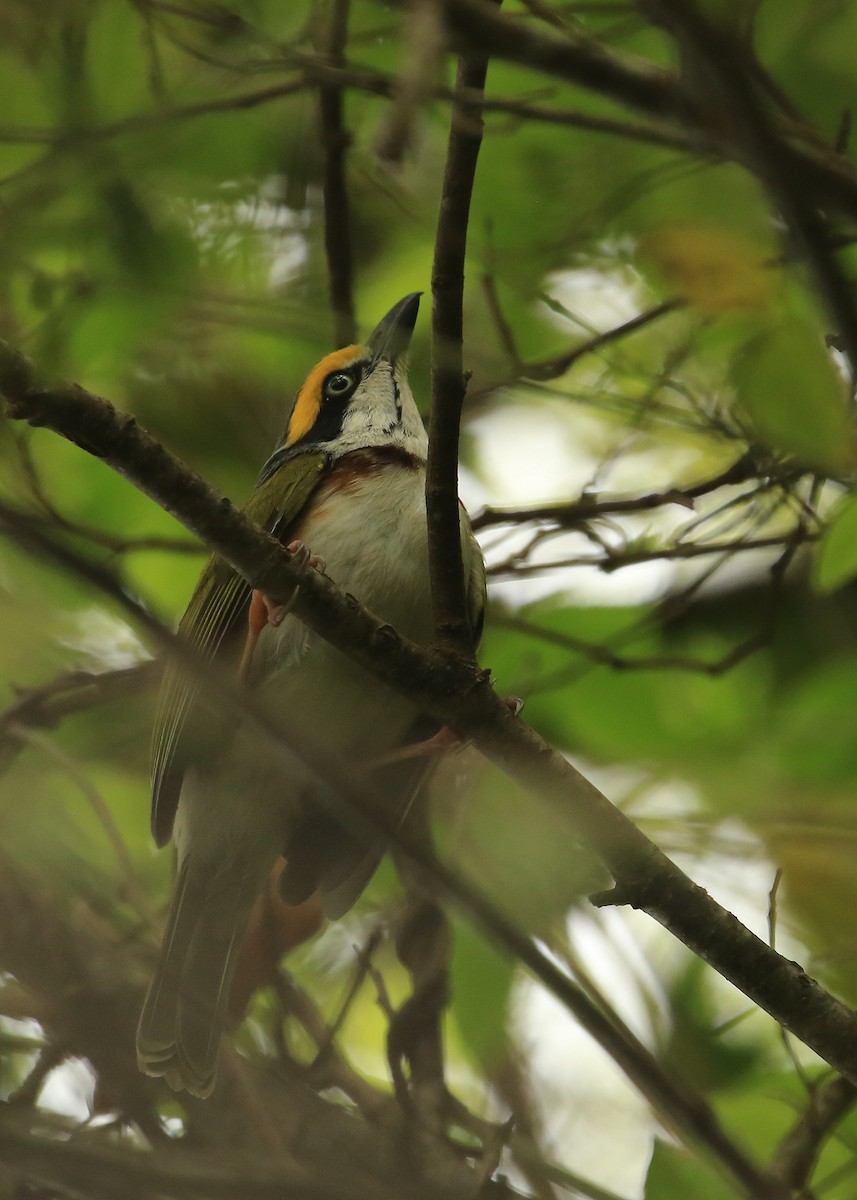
(212,626)
(475,580)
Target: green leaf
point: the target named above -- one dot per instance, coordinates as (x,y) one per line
(674,1174)
(789,387)
(836,558)
(482,980)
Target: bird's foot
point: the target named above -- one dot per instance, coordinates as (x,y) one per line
(302,552)
(443,744)
(264,612)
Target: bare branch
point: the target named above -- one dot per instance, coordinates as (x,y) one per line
(616,560)
(458,695)
(633,81)
(44,707)
(767,153)
(448,585)
(337,216)
(569,516)
(681,1108)
(559,365)
(798,1152)
(830,177)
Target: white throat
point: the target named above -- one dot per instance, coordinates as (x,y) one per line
(383,412)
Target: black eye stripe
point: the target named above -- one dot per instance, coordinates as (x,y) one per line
(328,422)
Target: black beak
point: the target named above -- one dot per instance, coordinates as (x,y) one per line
(392,335)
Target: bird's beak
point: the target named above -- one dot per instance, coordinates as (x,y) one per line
(392,335)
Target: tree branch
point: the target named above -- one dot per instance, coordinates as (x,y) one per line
(767,154)
(578,512)
(44,707)
(357,808)
(630,80)
(831,177)
(448,585)
(559,365)
(458,695)
(337,217)
(799,1150)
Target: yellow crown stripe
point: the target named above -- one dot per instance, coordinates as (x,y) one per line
(308,404)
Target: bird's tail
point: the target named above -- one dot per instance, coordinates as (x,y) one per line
(186,1006)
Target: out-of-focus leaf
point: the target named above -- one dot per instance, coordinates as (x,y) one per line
(481,981)
(675,1175)
(712,268)
(522,851)
(760,1113)
(836,558)
(654,714)
(789,387)
(698,1050)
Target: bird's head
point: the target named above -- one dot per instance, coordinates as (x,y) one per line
(359,397)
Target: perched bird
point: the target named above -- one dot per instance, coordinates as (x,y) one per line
(347,483)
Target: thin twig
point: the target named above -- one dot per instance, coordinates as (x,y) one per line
(616,560)
(797,1154)
(559,365)
(364,961)
(330,1067)
(44,707)
(98,537)
(602,654)
(568,516)
(504,329)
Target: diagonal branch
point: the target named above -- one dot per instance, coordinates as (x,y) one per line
(458,695)
(631,80)
(680,1107)
(568,515)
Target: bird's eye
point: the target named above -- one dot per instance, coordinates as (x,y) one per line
(339,385)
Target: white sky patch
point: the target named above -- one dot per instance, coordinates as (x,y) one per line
(226,228)
(103,641)
(69,1090)
(602,299)
(536,453)
(595,1123)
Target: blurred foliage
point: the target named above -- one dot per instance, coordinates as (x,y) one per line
(161,241)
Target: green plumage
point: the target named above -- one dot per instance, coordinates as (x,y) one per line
(214,625)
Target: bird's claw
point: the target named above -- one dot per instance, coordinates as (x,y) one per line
(443,744)
(264,612)
(305,556)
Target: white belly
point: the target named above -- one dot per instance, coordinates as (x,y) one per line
(373,542)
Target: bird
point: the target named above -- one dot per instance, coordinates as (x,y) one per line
(345,490)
